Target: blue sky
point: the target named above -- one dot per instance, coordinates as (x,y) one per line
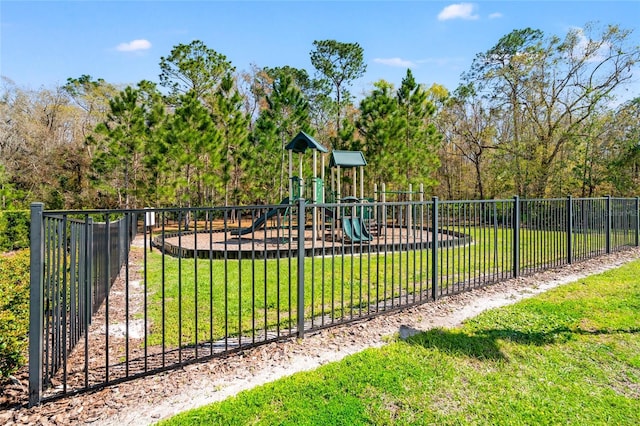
(43,43)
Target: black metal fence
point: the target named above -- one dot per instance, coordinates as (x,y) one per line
(72,270)
(202,282)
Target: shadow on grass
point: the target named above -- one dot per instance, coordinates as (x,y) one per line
(484,345)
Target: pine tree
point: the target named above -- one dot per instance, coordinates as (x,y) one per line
(193,147)
(419,156)
(381,125)
(232,124)
(341,64)
(286,114)
(118,167)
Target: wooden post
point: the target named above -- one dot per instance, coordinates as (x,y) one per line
(421,220)
(361,182)
(355,183)
(410,210)
(301,180)
(333,182)
(315,175)
(384,208)
(376,209)
(322,177)
(290,176)
(338,192)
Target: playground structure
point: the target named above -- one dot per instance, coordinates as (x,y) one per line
(332,218)
(359,218)
(354,220)
(353,223)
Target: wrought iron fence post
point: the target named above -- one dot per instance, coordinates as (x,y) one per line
(516,236)
(434,249)
(569,230)
(91,268)
(36,305)
(637,213)
(301,216)
(608,234)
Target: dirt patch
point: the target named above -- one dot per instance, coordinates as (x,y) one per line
(147,400)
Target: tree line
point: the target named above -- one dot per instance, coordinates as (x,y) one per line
(536,115)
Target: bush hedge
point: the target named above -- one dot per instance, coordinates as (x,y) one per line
(14,310)
(14,230)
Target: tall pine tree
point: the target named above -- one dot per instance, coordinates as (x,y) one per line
(286,114)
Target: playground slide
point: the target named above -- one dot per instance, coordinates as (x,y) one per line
(360,230)
(353,230)
(259,222)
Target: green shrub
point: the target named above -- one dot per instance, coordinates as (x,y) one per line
(14,230)
(14,310)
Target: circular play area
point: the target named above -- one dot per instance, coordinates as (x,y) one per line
(338,219)
(271,243)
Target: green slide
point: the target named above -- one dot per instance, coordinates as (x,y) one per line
(259,222)
(353,230)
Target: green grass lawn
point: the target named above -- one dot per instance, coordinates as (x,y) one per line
(249,296)
(569,356)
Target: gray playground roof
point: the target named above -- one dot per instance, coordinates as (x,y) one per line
(302,141)
(347,159)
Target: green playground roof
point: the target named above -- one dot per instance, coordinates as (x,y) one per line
(302,142)
(347,159)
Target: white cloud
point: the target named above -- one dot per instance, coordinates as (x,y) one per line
(458,11)
(134,46)
(394,62)
(495,15)
(594,50)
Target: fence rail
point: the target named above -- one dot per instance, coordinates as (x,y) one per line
(201,282)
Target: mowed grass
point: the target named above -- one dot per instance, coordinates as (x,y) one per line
(201,300)
(569,356)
